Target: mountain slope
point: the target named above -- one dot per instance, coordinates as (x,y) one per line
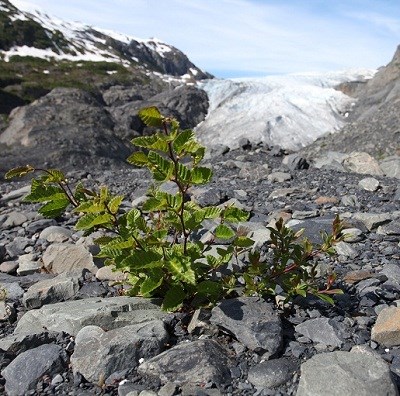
(375,121)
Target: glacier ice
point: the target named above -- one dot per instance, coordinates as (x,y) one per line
(290,111)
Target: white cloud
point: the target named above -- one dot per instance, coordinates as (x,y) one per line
(252,36)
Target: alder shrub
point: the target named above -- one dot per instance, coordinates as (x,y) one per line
(158,246)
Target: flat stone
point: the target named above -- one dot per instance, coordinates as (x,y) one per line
(373,220)
(196,362)
(279,177)
(28,368)
(360,162)
(313,227)
(344,249)
(50,291)
(252,321)
(272,373)
(386,330)
(27,265)
(351,235)
(346,373)
(16,194)
(38,225)
(321,330)
(98,354)
(14,219)
(59,258)
(9,267)
(13,291)
(392,229)
(357,276)
(326,200)
(392,272)
(282,192)
(108,273)
(391,166)
(305,214)
(7,311)
(369,184)
(55,234)
(108,313)
(15,344)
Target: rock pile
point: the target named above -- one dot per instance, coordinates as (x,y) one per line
(67,327)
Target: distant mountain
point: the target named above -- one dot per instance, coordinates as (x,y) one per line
(39,35)
(70,93)
(375,120)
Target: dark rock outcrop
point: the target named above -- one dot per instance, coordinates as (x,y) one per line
(375,120)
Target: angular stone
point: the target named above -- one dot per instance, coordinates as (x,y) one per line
(351,235)
(357,276)
(27,265)
(272,373)
(346,373)
(15,344)
(108,273)
(59,258)
(392,272)
(386,330)
(9,267)
(28,368)
(13,291)
(7,312)
(313,227)
(295,161)
(55,234)
(360,162)
(14,219)
(279,177)
(344,249)
(282,192)
(373,220)
(196,362)
(108,313)
(369,184)
(304,214)
(321,330)
(251,171)
(252,321)
(326,200)
(16,194)
(391,166)
(50,291)
(38,225)
(98,354)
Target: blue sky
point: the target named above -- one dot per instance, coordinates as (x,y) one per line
(239,38)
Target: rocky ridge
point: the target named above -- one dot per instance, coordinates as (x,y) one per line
(63,313)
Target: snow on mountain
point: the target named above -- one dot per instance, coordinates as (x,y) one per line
(290,111)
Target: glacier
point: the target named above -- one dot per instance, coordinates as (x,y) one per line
(290,111)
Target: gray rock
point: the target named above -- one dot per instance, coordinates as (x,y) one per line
(59,258)
(50,291)
(373,220)
(17,246)
(392,271)
(331,160)
(369,184)
(196,362)
(16,194)
(350,200)
(98,354)
(295,161)
(109,273)
(14,219)
(3,252)
(272,373)
(361,162)
(9,267)
(344,249)
(386,330)
(206,196)
(279,177)
(321,330)
(392,229)
(305,214)
(7,312)
(108,313)
(346,373)
(38,225)
(255,172)
(252,321)
(15,344)
(12,290)
(27,265)
(55,234)
(391,166)
(283,192)
(314,227)
(351,235)
(25,371)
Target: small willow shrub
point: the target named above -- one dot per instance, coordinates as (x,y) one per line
(157,245)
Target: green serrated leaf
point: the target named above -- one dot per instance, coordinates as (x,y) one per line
(183,173)
(235,215)
(325,298)
(91,220)
(162,169)
(115,203)
(151,116)
(152,204)
(89,207)
(131,217)
(201,175)
(210,289)
(142,259)
(53,176)
(19,172)
(150,284)
(174,298)
(243,242)
(181,269)
(138,158)
(54,208)
(223,231)
(182,138)
(212,212)
(42,193)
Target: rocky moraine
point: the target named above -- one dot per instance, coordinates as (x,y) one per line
(67,327)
